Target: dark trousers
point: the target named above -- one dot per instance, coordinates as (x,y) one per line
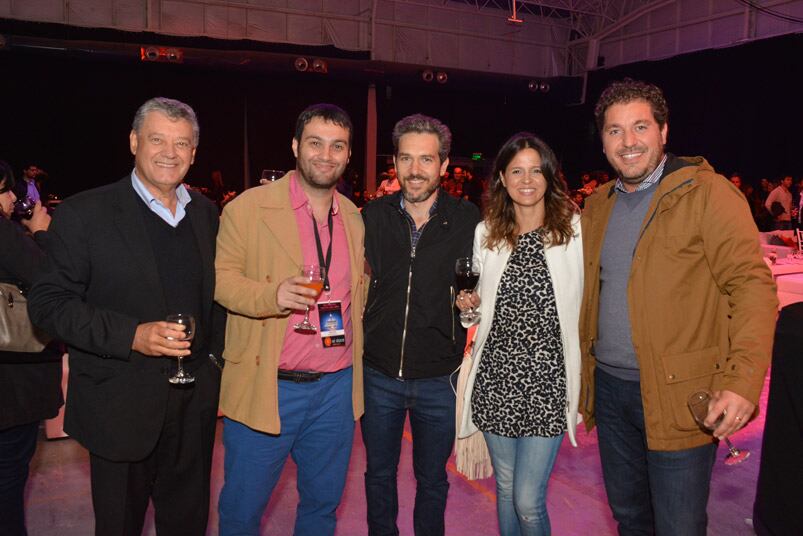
(779,496)
(649,491)
(175,475)
(431,403)
(17,445)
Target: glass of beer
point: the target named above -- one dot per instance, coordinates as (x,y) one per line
(314,276)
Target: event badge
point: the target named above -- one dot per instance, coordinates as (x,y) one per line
(331,318)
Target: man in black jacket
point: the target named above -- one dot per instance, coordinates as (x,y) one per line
(121,258)
(413,337)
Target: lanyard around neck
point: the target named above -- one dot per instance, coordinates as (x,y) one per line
(324,263)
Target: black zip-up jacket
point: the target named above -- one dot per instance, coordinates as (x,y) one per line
(415,333)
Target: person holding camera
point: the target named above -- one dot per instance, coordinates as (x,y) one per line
(30,382)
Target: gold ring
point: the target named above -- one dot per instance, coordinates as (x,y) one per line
(738,419)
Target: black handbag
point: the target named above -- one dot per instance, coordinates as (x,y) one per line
(17,334)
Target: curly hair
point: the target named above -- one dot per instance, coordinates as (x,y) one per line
(628,90)
(423,124)
(500,217)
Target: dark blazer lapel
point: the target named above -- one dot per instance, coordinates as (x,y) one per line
(202,229)
(131,226)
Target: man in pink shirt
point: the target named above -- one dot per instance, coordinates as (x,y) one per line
(287,391)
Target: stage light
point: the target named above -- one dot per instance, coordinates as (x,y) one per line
(152,53)
(320,66)
(427,75)
(149,53)
(536,85)
(442,77)
(174,55)
(301,64)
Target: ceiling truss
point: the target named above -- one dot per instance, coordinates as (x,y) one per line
(584,17)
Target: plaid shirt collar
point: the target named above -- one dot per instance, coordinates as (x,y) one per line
(415,233)
(651,179)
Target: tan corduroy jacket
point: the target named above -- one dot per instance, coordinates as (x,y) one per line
(702,301)
(258,247)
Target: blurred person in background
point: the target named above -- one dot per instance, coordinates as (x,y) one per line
(389,185)
(779,203)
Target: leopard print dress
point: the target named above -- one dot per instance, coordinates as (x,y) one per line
(520,387)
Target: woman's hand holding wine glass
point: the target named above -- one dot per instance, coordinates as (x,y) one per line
(467,300)
(467,275)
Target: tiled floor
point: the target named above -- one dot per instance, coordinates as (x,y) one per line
(59,500)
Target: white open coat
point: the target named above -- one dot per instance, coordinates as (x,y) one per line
(565,263)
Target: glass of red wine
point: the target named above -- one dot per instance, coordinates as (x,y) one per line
(468,275)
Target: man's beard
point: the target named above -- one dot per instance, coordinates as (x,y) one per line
(314,180)
(422,196)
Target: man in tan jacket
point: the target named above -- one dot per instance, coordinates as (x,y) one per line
(677,299)
(287,390)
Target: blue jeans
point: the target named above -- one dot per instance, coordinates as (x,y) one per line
(17,445)
(317,431)
(649,491)
(522,466)
(431,403)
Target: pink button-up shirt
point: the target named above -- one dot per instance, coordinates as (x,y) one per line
(306,351)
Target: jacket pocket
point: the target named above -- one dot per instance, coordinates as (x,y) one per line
(683,375)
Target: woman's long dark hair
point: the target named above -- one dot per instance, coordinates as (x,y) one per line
(500,217)
(7,181)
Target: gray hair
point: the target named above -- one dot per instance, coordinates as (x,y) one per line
(173,109)
(423,124)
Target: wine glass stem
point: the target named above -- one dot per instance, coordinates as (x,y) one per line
(306,315)
(733,450)
(180,367)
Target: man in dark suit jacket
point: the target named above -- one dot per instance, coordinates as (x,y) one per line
(123,257)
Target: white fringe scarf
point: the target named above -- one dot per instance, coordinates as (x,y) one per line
(471,454)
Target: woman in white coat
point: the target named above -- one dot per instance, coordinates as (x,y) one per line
(523,385)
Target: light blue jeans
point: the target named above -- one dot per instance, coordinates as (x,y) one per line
(522,466)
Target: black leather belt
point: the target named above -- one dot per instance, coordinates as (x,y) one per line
(300,376)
